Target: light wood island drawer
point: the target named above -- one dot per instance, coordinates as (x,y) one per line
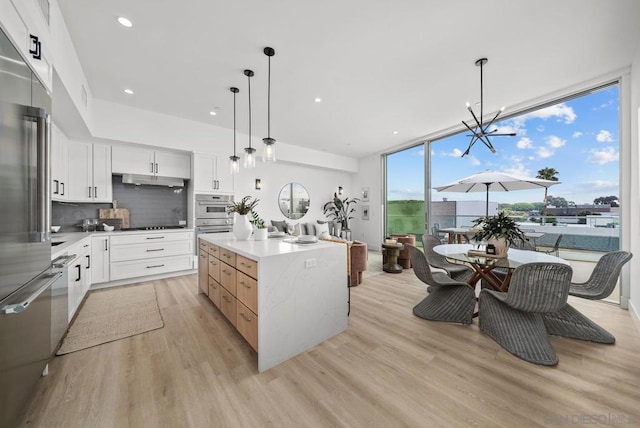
(214,292)
(204,246)
(214,250)
(247,325)
(228,278)
(214,267)
(228,306)
(247,291)
(248,266)
(227,256)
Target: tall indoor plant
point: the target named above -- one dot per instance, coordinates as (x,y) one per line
(500,231)
(241,226)
(341,210)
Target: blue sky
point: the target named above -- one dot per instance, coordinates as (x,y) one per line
(579,138)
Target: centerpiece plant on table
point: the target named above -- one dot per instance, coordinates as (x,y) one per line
(260,231)
(242,226)
(500,231)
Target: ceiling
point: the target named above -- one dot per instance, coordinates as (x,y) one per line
(378,66)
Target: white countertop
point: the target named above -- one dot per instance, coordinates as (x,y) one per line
(255,250)
(69,239)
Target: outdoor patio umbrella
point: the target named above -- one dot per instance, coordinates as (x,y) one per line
(495,182)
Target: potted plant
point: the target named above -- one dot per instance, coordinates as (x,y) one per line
(341,210)
(500,231)
(260,229)
(241,226)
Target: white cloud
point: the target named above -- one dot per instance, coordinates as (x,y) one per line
(606,155)
(421,153)
(525,143)
(517,169)
(506,129)
(577,134)
(555,142)
(603,184)
(604,137)
(455,153)
(561,111)
(540,128)
(544,152)
(474,160)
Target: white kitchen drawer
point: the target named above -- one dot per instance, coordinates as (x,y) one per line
(132,269)
(150,250)
(143,238)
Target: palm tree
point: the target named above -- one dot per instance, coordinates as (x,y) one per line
(547,174)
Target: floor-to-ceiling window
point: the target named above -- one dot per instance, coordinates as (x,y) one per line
(405,193)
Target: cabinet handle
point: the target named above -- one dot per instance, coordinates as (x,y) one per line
(227,298)
(157,249)
(57,183)
(154,266)
(156,237)
(105,245)
(203,255)
(247,319)
(156,168)
(245,285)
(89,191)
(95,192)
(79,271)
(62,185)
(151,167)
(88,262)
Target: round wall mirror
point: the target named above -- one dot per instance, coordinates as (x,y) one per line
(293,200)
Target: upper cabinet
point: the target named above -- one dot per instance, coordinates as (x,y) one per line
(89,172)
(141,161)
(59,165)
(211,174)
(26,24)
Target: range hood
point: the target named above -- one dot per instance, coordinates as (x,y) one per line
(151,180)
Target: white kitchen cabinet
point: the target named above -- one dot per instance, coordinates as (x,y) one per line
(135,255)
(100,259)
(141,161)
(211,174)
(79,271)
(59,165)
(89,172)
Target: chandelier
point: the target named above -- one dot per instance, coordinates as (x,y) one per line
(480,131)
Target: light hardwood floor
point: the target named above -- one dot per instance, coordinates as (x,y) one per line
(388,369)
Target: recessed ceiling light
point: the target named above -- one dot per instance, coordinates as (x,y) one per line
(128,91)
(212,113)
(395,132)
(125,22)
(318,100)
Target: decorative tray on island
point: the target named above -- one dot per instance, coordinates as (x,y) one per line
(478,253)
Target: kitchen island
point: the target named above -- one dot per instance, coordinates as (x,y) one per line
(283,297)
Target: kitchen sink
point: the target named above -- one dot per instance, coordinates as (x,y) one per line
(55,244)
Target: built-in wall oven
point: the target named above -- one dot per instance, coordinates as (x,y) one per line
(212,215)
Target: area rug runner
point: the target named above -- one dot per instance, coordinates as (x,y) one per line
(113,314)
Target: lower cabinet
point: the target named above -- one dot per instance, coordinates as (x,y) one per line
(232,286)
(134,255)
(100,259)
(79,273)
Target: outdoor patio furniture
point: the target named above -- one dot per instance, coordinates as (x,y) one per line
(556,247)
(571,323)
(604,277)
(449,300)
(515,319)
(456,271)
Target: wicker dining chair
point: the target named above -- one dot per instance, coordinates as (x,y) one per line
(456,271)
(571,323)
(449,300)
(515,319)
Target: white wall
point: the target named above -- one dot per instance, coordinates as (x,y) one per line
(370,175)
(634,192)
(320,183)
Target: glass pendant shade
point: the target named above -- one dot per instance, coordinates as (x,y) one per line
(249,157)
(234,165)
(269,151)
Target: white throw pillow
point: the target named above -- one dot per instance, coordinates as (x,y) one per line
(322,229)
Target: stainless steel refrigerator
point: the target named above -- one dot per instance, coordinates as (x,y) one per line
(25,248)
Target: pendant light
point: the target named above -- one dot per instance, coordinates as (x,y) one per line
(269,152)
(249,152)
(235,165)
(480,131)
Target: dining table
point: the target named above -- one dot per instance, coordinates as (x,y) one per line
(484,264)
